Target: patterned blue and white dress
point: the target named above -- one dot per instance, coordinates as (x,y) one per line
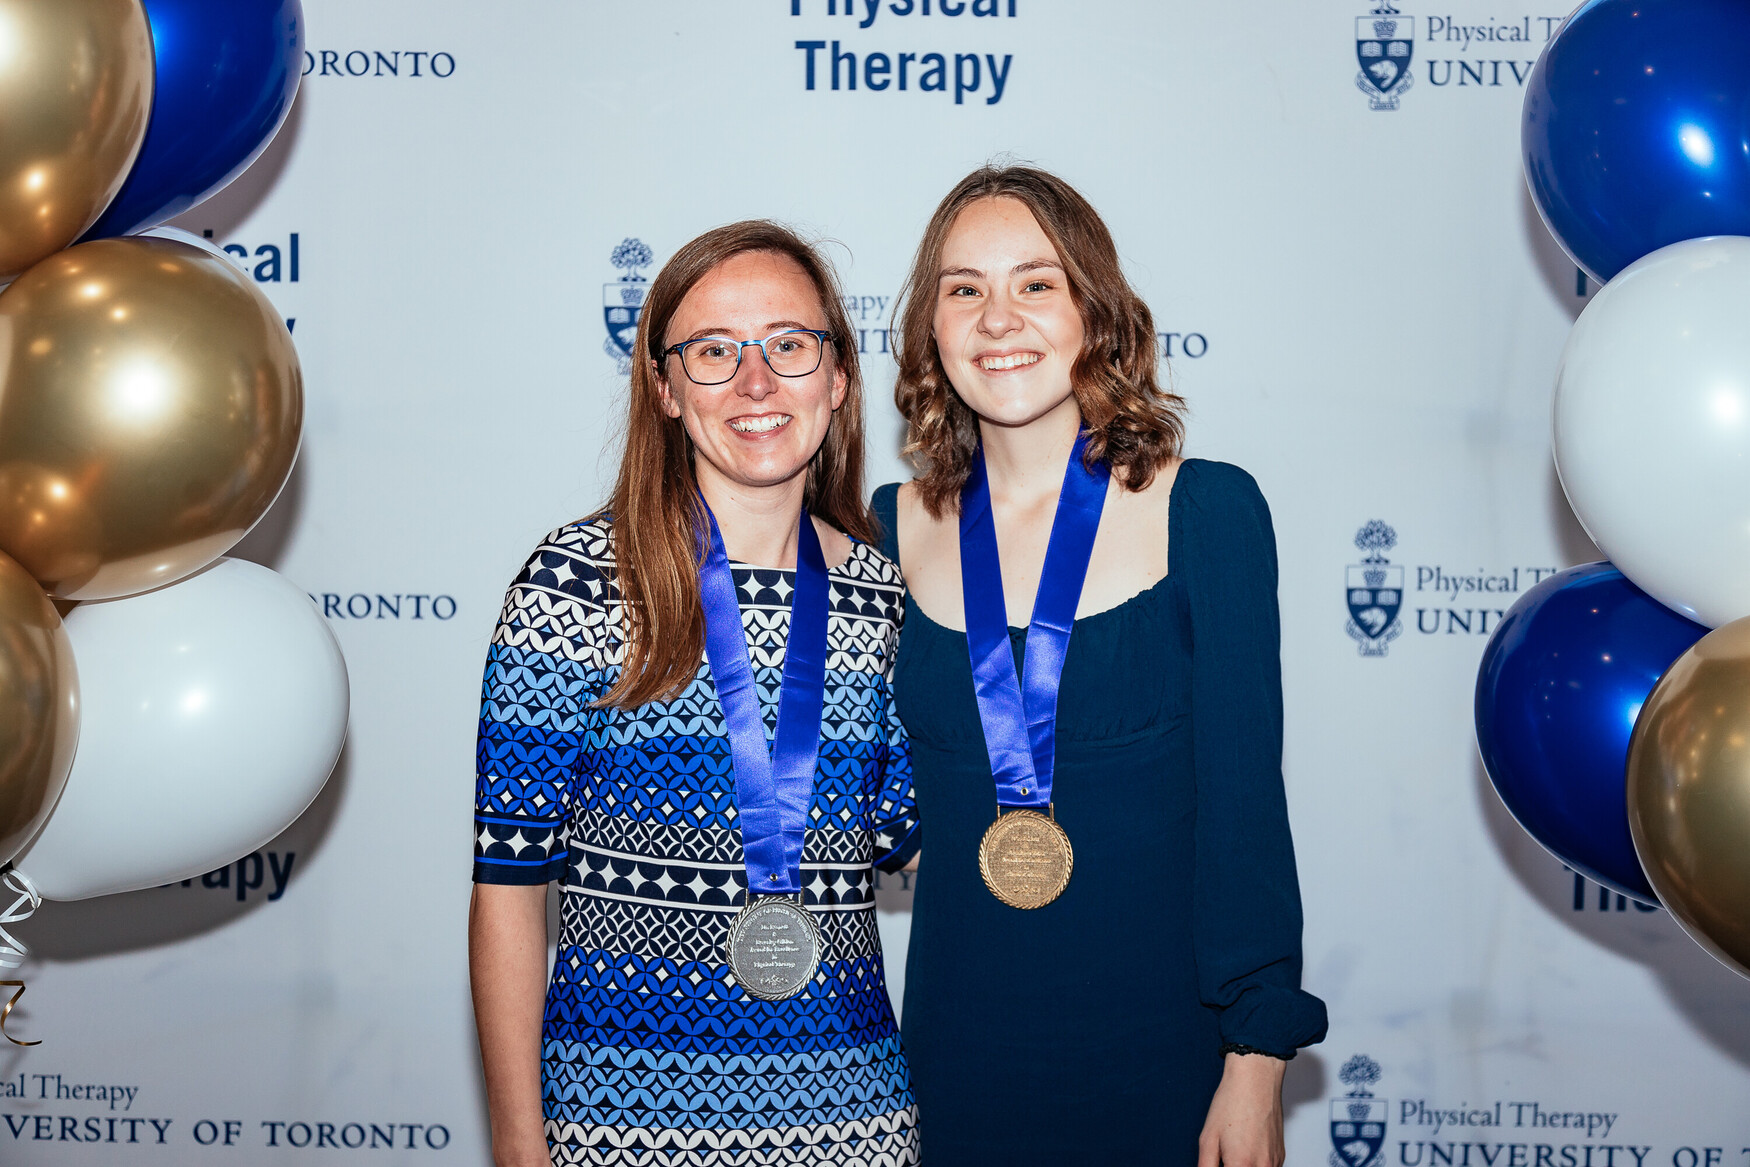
(652,1054)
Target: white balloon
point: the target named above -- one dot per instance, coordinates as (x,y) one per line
(214,710)
(1652,425)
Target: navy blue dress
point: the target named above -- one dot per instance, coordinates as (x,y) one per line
(1092,1029)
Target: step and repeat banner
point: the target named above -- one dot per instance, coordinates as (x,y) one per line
(1356,298)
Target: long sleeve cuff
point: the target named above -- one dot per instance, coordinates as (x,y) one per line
(1274,1020)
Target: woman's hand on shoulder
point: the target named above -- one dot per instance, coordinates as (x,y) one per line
(1244,1127)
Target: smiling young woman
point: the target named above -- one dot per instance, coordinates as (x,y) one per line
(657,734)
(1105,952)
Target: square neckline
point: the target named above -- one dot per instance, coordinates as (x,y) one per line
(1145,593)
(1078,622)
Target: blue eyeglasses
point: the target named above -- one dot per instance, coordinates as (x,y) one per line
(714,360)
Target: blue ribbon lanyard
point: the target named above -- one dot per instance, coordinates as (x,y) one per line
(773,790)
(1020,715)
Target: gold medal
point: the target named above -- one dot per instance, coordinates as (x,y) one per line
(1025,859)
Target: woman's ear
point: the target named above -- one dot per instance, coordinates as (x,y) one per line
(669,405)
(841,385)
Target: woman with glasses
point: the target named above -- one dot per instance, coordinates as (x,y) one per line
(686,723)
(1105,952)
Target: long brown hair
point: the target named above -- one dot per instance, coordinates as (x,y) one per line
(658,521)
(1133,425)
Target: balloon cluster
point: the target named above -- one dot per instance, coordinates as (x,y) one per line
(1613,724)
(162,709)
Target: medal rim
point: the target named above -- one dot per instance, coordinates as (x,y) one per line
(740,923)
(1060,836)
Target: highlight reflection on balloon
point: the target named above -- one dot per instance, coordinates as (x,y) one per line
(39,708)
(76,91)
(150,408)
(227,71)
(1633,128)
(1559,688)
(1689,792)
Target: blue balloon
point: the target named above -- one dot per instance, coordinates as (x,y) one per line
(1636,128)
(1560,686)
(227,73)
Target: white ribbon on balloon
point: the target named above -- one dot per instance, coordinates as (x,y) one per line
(29,900)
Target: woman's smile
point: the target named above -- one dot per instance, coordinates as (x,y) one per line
(1006,323)
(1005,362)
(759,424)
(758,428)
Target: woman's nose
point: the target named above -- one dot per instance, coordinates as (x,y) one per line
(755,379)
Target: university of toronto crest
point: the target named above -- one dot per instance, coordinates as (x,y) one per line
(1374,590)
(1384,43)
(623,300)
(1358,1118)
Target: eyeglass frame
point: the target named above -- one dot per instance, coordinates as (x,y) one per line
(824,336)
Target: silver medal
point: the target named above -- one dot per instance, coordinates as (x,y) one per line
(774,948)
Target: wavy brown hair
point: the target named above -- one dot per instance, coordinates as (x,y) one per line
(657,518)
(1133,425)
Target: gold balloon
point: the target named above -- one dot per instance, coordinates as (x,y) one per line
(150,407)
(75,97)
(39,708)
(1689,792)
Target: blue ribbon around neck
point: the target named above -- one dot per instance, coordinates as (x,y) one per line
(773,788)
(1020,715)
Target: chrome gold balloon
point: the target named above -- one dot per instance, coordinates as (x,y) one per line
(39,708)
(75,98)
(150,407)
(1689,792)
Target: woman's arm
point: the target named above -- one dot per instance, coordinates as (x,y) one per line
(1246,898)
(542,670)
(898,837)
(1244,1127)
(507,970)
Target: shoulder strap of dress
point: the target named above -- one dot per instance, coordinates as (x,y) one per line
(886,507)
(1179,507)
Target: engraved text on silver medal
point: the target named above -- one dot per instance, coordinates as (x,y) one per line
(774,949)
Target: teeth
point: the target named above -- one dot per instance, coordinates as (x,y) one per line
(763,424)
(1012,361)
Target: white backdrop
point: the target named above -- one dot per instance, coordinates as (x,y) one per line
(1363,311)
